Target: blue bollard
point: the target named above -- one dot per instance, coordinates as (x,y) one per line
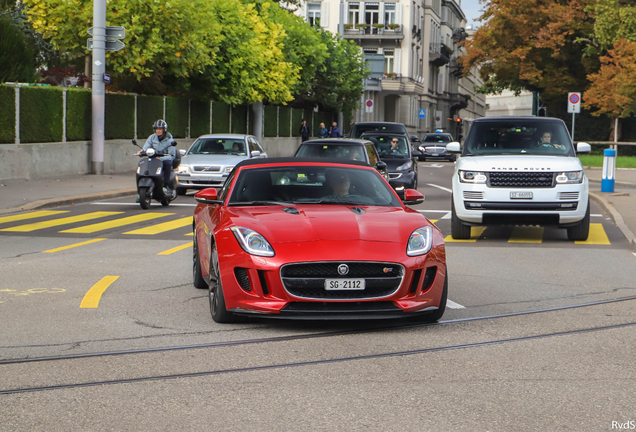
(609,168)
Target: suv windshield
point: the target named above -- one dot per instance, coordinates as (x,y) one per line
(389,145)
(305,184)
(219,146)
(359,129)
(337,151)
(518,136)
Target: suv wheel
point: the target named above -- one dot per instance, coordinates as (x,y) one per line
(459,231)
(581,231)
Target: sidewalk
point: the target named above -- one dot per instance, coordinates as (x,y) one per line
(21,195)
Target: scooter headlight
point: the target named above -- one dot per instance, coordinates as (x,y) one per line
(150,152)
(159,170)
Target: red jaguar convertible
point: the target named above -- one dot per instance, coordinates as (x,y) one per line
(316,239)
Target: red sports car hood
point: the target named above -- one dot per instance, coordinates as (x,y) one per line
(328,222)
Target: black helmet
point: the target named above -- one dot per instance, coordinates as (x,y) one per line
(160,124)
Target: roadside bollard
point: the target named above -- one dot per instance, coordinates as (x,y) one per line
(609,168)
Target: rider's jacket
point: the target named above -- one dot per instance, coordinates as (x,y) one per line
(162,146)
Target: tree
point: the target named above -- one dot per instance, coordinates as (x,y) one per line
(17,54)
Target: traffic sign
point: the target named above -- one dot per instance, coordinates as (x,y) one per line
(422,114)
(369,103)
(369,106)
(111,45)
(574,103)
(112,32)
(106,78)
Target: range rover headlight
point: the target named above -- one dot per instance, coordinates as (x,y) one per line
(420,241)
(570,177)
(252,242)
(472,177)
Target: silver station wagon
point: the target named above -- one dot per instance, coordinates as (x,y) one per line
(209,161)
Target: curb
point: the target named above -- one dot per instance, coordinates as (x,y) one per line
(75,199)
(617,183)
(616,216)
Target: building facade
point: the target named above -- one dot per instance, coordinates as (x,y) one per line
(412,48)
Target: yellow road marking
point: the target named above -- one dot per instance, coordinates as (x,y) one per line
(163,227)
(475,233)
(92,297)
(432,221)
(73,245)
(176,249)
(58,222)
(32,215)
(597,235)
(87,229)
(190,234)
(526,234)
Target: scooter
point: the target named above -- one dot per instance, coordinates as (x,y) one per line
(150,178)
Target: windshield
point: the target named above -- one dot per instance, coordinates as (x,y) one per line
(518,136)
(312,185)
(219,146)
(389,146)
(358,130)
(337,151)
(437,139)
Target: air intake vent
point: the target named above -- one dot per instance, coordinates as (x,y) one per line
(416,281)
(429,278)
(261,278)
(568,196)
(469,195)
(242,278)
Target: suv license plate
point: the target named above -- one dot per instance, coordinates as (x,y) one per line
(520,195)
(344,284)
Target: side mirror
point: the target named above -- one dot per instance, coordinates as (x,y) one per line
(173,143)
(207,196)
(256,153)
(453,147)
(583,147)
(380,166)
(182,152)
(413,197)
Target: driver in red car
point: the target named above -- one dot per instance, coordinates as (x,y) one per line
(340,182)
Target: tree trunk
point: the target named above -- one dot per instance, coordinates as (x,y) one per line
(88,71)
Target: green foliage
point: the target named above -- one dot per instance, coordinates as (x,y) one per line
(270,121)
(177,116)
(220,117)
(78,115)
(199,118)
(7,114)
(149,110)
(239,119)
(41,114)
(119,122)
(614,19)
(17,54)
(284,121)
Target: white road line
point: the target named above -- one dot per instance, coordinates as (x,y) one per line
(136,204)
(451,304)
(446,216)
(441,187)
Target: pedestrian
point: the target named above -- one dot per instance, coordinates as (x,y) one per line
(305,131)
(334,132)
(323,132)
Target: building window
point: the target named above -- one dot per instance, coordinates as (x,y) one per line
(354,14)
(389,61)
(313,14)
(389,13)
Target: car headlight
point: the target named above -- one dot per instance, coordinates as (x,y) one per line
(252,242)
(422,149)
(407,166)
(184,169)
(420,241)
(228,170)
(150,152)
(570,177)
(472,177)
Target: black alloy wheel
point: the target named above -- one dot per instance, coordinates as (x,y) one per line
(437,315)
(197,277)
(144,198)
(218,310)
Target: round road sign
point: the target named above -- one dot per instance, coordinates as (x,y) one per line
(369,103)
(574,98)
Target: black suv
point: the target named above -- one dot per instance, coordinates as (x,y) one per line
(401,161)
(433,145)
(358,129)
(342,148)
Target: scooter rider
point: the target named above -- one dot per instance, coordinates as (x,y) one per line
(161,141)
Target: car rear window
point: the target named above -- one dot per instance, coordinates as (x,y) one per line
(358,130)
(333,151)
(437,138)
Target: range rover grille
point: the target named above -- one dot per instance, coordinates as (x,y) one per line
(521,179)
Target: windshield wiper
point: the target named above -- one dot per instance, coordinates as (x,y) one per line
(257,203)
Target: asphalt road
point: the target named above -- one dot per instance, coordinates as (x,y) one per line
(567,369)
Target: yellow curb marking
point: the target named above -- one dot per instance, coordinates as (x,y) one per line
(73,245)
(475,233)
(88,229)
(176,249)
(163,227)
(597,235)
(61,221)
(92,297)
(526,234)
(33,215)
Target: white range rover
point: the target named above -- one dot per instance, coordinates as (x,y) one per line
(519,171)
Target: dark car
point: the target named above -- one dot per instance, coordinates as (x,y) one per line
(358,129)
(342,148)
(401,161)
(433,146)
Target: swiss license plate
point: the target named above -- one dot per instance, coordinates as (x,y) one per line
(344,284)
(520,195)
(435,154)
(203,178)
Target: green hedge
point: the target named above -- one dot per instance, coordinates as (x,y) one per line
(7,114)
(199,118)
(239,119)
(79,112)
(297,116)
(149,110)
(119,122)
(41,114)
(220,117)
(270,121)
(177,116)
(284,119)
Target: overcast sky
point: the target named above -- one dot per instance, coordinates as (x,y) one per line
(471,9)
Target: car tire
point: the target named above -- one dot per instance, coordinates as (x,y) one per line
(181,191)
(144,198)
(581,231)
(437,315)
(218,310)
(459,230)
(197,277)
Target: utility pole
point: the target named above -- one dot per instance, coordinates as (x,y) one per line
(341,32)
(99,87)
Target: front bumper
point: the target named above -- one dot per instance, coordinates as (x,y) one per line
(200,181)
(400,180)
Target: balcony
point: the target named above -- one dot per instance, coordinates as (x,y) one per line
(374,32)
(393,83)
(438,54)
(455,68)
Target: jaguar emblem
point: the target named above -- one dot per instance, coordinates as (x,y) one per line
(343,269)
